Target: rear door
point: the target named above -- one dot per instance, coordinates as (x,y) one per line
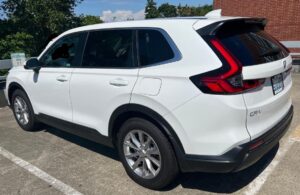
(262,57)
(105,79)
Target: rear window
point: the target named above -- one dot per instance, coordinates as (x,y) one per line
(250,44)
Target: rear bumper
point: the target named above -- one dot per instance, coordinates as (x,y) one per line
(241,156)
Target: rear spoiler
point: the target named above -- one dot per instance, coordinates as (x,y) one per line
(214,13)
(212,29)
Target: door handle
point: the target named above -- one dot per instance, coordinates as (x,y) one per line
(118,82)
(62,78)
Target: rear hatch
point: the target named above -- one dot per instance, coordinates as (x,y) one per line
(264,66)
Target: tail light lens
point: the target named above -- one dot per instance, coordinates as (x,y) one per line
(226,80)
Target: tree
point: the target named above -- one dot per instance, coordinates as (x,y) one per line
(151,9)
(17,42)
(194,11)
(184,11)
(89,20)
(39,19)
(201,11)
(6,27)
(167,10)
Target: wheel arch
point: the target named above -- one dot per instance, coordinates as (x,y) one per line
(125,112)
(11,88)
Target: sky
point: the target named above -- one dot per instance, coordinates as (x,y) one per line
(119,10)
(122,9)
(96,7)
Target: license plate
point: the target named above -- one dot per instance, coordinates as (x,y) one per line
(277,83)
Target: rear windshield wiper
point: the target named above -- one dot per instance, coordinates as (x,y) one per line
(270,52)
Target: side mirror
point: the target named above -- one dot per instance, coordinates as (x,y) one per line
(33,64)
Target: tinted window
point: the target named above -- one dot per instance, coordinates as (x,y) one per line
(153,47)
(65,52)
(110,49)
(250,44)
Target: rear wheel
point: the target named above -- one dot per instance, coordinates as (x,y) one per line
(23,111)
(146,154)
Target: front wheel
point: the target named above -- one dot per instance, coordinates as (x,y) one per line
(146,154)
(23,111)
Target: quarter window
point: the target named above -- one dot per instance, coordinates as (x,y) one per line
(66,52)
(153,47)
(109,49)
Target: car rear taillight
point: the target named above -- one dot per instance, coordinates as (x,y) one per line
(226,80)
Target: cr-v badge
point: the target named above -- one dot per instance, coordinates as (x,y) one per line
(255,113)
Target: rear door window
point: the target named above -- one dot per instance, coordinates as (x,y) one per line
(109,49)
(250,44)
(153,47)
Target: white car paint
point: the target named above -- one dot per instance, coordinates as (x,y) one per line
(205,124)
(95,94)
(50,91)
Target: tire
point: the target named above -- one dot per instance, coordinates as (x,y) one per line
(163,175)
(19,97)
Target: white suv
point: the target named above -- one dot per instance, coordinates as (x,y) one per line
(184,94)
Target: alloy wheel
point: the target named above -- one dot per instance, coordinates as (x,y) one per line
(142,154)
(21,110)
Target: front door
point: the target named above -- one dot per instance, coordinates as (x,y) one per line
(50,87)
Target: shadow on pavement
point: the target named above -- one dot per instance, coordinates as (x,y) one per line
(2,84)
(98,148)
(225,183)
(3,102)
(216,183)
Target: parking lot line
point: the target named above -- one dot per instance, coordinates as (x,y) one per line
(254,187)
(39,173)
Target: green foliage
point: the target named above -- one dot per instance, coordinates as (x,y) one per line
(167,10)
(151,9)
(193,11)
(37,20)
(4,72)
(13,43)
(184,11)
(201,11)
(89,20)
(6,27)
